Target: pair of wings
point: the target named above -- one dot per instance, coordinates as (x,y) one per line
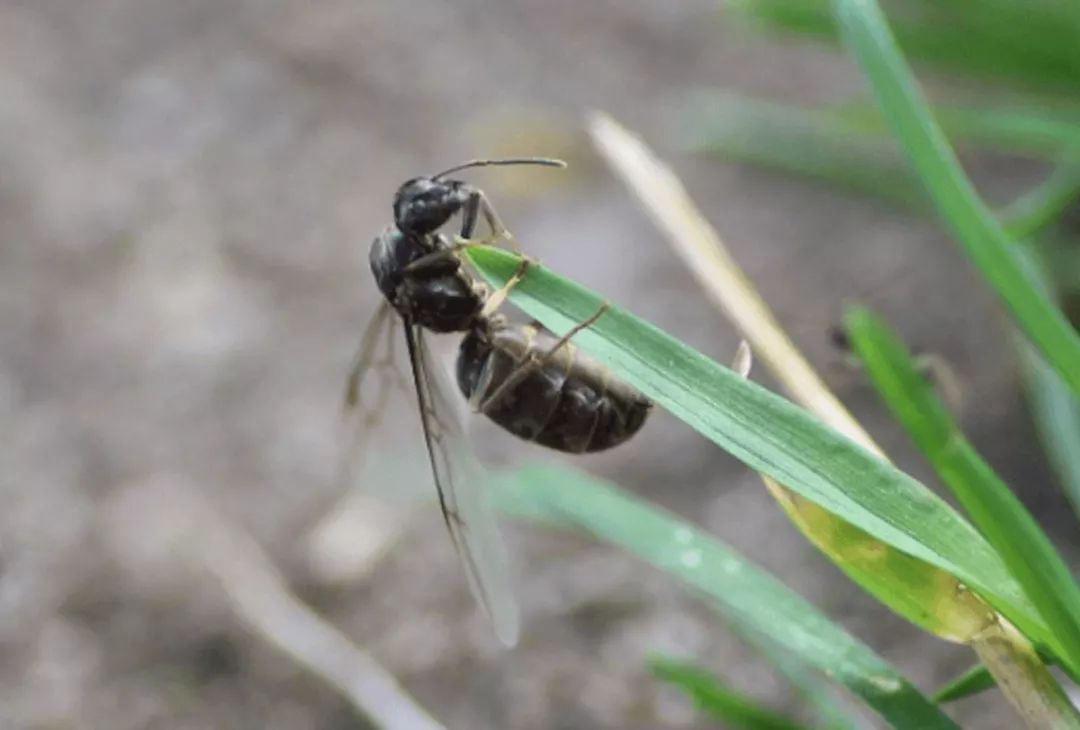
(460,481)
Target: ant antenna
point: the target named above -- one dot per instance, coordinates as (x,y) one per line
(544,161)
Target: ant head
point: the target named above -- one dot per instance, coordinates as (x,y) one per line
(424,204)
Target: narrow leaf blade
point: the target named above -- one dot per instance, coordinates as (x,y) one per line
(998,514)
(720,702)
(741,592)
(773,436)
(987,245)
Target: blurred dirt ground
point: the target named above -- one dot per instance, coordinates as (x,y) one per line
(187,194)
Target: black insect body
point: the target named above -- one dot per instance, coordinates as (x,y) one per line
(543,389)
(425,282)
(417,268)
(528,381)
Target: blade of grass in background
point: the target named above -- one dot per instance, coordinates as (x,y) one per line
(1043,205)
(998,514)
(1037,130)
(740,591)
(718,701)
(716,121)
(1054,409)
(801,141)
(868,37)
(924,594)
(776,438)
(973,681)
(808,685)
(693,239)
(1057,419)
(824,146)
(1031,43)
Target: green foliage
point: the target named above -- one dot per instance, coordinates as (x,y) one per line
(741,592)
(848,148)
(1028,43)
(1033,129)
(802,141)
(721,703)
(1055,411)
(973,681)
(1057,418)
(994,509)
(782,441)
(808,685)
(973,226)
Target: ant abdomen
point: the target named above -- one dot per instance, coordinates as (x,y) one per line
(549,393)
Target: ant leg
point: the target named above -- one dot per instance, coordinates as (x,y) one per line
(499,296)
(469,215)
(445,260)
(498,230)
(442,261)
(583,325)
(533,361)
(481,403)
(478,205)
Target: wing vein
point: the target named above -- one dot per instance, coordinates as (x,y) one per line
(461,485)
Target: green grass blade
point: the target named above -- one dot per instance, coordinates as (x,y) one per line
(802,141)
(973,681)
(923,593)
(740,591)
(1044,204)
(1036,130)
(1057,420)
(721,703)
(998,514)
(977,679)
(1055,410)
(720,122)
(807,684)
(773,436)
(843,150)
(1023,42)
(986,243)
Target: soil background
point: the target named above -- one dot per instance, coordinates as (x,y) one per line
(188,191)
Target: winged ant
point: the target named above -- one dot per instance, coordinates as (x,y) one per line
(525,379)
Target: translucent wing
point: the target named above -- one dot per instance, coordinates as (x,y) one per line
(350,536)
(373,378)
(462,487)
